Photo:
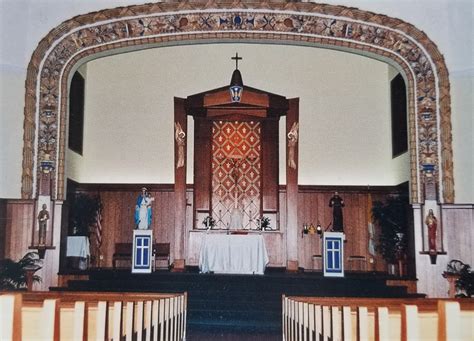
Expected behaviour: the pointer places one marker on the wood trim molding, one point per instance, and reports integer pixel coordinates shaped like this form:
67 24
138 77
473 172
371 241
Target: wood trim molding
113 187
357 189
169 187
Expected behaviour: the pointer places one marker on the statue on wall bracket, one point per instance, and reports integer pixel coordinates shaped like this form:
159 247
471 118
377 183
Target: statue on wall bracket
432 226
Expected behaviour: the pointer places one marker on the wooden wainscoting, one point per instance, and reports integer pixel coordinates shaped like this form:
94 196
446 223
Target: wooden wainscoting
118 215
313 207
3 226
19 216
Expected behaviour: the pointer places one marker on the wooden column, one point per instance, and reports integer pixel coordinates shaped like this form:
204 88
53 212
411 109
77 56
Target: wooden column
3 227
179 187
292 190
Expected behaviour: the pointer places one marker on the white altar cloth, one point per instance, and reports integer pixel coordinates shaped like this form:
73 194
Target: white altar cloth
233 254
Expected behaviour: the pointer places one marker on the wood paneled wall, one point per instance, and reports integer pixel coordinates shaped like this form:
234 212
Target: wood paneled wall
313 207
118 218
118 215
19 216
18 228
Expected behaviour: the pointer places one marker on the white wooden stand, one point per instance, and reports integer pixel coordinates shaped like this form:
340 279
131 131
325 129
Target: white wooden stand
142 251
333 254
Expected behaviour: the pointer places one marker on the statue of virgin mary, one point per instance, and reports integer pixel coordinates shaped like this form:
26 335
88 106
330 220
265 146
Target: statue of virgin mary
143 211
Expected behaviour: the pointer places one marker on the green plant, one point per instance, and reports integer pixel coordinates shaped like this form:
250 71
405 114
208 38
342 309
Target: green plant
13 274
83 213
392 217
465 282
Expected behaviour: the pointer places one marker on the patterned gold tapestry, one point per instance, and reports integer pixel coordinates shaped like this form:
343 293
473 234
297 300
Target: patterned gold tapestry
236 173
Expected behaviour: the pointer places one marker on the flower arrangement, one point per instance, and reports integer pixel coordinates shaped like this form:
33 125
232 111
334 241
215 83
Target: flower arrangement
209 222
263 223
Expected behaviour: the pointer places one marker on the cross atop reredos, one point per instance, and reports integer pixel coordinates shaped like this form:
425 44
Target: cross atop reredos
236 58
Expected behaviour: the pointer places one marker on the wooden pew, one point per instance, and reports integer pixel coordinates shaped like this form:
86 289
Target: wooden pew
95 316
314 318
123 252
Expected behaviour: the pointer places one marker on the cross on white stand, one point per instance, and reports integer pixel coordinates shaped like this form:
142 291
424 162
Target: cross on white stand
333 254
142 251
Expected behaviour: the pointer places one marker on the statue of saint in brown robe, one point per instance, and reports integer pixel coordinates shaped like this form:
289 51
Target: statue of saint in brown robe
337 204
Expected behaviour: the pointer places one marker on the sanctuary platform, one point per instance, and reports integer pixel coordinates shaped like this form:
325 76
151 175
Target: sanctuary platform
228 304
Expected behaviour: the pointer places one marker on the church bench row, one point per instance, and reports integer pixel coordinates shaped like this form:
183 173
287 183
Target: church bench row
344 318
92 316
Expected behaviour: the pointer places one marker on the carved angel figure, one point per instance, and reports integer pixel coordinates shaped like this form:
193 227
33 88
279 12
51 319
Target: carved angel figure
180 137
292 140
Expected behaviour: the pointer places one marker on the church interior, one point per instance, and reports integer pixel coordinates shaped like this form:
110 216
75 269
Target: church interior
236 170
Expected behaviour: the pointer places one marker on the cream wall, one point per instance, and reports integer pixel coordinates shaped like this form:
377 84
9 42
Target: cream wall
345 134
24 22
11 130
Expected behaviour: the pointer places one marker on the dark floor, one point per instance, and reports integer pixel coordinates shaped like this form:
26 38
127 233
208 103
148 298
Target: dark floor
199 335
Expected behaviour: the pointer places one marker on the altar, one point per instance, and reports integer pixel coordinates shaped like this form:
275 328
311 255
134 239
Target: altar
233 254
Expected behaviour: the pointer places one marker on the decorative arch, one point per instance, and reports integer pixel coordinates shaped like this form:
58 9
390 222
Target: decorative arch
134 27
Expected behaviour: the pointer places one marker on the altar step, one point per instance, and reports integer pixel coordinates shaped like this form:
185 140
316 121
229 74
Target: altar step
233 302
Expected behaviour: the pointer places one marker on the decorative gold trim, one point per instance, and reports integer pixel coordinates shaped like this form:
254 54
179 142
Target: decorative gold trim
313 24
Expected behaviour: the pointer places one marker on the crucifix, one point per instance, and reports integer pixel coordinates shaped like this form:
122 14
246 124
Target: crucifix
236 58
236 161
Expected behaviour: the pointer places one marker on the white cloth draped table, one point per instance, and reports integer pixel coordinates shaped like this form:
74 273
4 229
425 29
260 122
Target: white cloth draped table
233 254
78 246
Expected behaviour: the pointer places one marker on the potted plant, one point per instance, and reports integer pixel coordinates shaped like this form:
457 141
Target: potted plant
19 275
83 213
392 217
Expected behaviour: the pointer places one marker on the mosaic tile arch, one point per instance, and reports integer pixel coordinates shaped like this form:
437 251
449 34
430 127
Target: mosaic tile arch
289 23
